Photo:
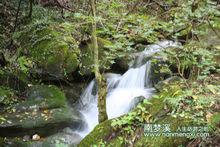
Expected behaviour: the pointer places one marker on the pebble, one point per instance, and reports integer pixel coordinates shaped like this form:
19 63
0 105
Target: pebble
26 138
35 137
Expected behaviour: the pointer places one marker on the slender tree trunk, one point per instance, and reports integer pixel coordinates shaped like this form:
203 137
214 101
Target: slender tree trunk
15 23
30 8
102 87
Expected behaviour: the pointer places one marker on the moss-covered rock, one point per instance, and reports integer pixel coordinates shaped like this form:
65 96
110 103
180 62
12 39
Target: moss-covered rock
52 48
17 81
46 96
7 97
215 119
100 133
44 112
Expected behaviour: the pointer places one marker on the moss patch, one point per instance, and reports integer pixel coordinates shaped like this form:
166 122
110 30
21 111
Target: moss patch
100 132
45 109
51 47
7 96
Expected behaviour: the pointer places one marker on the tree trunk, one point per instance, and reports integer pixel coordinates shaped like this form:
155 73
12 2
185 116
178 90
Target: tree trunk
30 8
102 86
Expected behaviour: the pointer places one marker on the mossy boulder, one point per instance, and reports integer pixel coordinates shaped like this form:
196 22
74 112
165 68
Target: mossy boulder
51 47
100 133
215 120
17 81
7 97
44 112
48 96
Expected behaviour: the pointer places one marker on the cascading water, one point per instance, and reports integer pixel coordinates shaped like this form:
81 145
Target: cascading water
122 89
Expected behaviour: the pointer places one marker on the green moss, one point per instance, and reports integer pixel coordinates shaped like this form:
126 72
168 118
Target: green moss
43 122
44 109
2 141
15 80
118 141
7 96
215 119
5 92
40 97
51 46
100 132
45 96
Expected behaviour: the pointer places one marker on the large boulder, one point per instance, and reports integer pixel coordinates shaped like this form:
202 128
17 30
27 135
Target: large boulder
51 47
44 112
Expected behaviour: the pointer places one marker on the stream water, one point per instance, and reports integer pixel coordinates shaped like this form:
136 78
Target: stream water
122 89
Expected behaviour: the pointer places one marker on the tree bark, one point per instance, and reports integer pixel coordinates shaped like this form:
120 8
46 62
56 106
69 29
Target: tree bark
15 23
30 8
102 86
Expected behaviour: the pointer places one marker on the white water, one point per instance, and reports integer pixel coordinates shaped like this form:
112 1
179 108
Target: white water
122 89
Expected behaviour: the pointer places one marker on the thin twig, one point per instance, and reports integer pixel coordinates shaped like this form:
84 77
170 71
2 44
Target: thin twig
15 23
213 29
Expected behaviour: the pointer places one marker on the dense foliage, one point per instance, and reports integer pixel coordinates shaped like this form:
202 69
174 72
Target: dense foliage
56 46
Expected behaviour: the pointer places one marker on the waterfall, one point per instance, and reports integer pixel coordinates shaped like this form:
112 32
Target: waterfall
122 89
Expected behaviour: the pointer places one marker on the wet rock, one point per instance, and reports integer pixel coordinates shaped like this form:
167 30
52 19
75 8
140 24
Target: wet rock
7 98
121 65
168 81
67 136
26 138
45 112
73 92
136 101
